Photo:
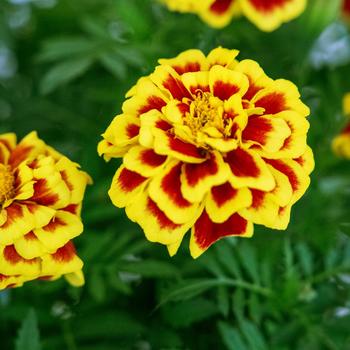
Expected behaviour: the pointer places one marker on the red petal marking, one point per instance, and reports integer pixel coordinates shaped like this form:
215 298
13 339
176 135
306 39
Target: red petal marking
184 108
346 6
206 232
273 103
189 67
163 125
258 198
53 224
219 7
185 148
65 254
14 212
346 130
195 172
72 208
42 193
171 185
224 90
30 236
252 90
19 154
11 255
286 170
151 158
268 5
65 179
257 130
163 221
153 102
196 88
223 193
129 180
242 163
132 130
176 88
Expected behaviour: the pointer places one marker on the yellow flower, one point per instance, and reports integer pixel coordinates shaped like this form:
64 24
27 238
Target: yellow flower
212 144
41 192
267 15
341 143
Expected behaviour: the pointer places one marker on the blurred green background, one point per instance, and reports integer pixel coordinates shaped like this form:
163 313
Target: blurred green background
64 69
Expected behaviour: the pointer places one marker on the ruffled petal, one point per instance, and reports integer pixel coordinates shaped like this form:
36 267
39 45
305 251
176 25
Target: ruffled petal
187 61
144 161
198 179
205 232
165 191
224 200
249 170
125 186
155 224
225 82
62 228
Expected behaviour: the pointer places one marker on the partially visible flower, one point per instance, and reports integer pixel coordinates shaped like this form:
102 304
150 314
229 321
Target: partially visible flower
341 143
41 193
267 15
346 9
212 144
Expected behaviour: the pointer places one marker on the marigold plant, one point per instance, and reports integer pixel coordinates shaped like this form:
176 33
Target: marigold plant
41 192
212 144
267 15
341 143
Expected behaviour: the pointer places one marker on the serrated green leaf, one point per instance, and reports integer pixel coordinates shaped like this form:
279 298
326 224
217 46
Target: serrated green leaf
249 260
231 337
252 335
150 268
114 64
223 300
28 337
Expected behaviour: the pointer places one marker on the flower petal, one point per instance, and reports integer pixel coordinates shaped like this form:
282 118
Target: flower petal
224 200
125 186
222 57
143 161
224 82
165 191
155 224
249 170
187 61
198 179
205 232
62 228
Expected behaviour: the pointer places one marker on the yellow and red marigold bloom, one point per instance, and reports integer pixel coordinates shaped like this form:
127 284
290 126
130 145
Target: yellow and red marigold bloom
341 143
212 144
41 193
267 15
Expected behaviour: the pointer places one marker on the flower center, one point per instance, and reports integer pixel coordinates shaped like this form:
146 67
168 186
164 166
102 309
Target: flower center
7 181
207 115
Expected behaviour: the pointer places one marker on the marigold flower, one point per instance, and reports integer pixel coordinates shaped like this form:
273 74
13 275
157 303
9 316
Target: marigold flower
41 192
341 143
267 15
212 144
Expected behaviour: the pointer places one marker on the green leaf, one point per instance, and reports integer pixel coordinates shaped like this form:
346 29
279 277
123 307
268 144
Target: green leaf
305 258
178 314
150 268
97 285
28 337
114 64
226 255
64 72
252 335
55 49
223 300
250 261
231 337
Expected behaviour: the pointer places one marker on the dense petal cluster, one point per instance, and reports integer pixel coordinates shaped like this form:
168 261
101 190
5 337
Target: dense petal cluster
212 144
41 193
341 143
267 15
